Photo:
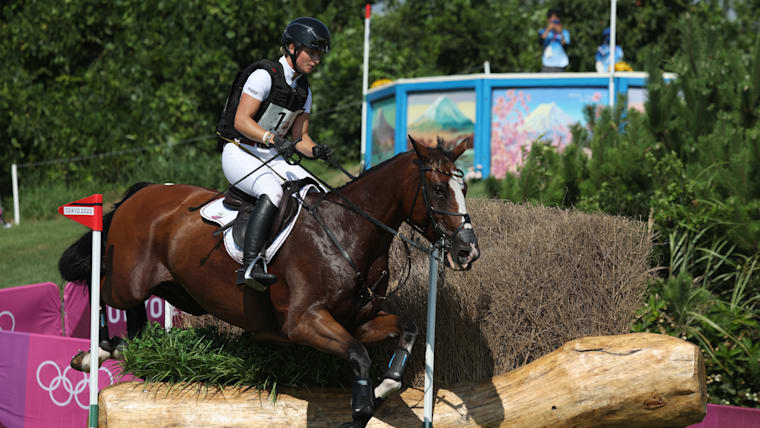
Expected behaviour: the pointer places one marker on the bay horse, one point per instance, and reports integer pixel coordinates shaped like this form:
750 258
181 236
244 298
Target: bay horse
334 258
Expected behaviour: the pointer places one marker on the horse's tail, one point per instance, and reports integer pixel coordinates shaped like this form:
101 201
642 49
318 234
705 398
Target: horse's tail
75 264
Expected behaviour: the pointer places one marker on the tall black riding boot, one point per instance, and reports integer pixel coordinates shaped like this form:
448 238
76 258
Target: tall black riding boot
256 234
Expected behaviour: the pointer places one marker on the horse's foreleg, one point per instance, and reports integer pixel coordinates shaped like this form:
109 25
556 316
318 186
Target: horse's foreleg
381 327
318 329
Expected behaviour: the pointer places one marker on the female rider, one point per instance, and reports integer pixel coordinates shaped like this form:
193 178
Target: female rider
267 101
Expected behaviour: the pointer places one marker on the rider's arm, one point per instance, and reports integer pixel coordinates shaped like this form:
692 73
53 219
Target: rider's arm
244 122
301 130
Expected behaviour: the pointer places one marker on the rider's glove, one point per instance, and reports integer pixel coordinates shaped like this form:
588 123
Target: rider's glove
321 151
284 147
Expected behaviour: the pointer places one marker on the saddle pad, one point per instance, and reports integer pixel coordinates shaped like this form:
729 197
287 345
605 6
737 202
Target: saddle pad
216 212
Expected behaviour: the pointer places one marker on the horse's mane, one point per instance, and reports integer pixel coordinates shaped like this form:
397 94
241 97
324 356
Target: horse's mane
439 147
374 169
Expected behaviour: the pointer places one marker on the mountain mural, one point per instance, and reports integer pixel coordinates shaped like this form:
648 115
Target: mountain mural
443 114
545 118
382 131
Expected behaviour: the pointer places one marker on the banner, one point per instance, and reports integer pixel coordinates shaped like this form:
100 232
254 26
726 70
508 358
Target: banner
76 303
34 308
39 389
720 416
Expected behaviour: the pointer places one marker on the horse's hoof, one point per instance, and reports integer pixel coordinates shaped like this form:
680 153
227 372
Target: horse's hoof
78 361
118 344
81 360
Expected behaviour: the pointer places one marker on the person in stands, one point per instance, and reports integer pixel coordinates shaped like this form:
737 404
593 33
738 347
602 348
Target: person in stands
266 120
603 53
554 38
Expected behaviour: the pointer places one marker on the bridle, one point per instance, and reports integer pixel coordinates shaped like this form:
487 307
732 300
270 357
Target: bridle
431 211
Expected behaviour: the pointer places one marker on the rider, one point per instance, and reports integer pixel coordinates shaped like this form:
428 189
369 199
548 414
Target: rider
267 101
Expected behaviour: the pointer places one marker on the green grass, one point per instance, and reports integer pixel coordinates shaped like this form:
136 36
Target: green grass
205 356
30 251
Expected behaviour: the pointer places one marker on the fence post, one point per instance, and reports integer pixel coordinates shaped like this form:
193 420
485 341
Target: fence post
14 182
168 315
430 340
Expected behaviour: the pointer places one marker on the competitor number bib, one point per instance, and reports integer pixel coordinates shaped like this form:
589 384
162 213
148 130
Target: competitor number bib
278 119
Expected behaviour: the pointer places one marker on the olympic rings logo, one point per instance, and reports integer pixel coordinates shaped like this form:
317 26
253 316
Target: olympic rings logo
13 319
62 380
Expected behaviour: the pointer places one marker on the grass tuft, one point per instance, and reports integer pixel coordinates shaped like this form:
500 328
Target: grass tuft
205 355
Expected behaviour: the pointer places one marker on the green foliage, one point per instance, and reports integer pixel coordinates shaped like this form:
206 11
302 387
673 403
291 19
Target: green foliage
688 165
696 302
206 356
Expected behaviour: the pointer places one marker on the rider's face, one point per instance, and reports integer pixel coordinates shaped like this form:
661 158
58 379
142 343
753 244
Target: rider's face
308 59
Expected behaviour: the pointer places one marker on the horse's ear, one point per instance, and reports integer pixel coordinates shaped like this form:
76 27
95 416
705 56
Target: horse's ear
416 147
459 147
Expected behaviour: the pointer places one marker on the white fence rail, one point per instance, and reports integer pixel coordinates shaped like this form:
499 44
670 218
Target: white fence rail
15 167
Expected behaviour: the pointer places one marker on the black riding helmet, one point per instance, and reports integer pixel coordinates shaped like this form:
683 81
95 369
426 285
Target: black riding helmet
306 32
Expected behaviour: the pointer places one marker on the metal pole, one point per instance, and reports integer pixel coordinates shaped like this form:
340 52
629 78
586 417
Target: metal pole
365 81
613 13
14 183
94 317
487 67
430 340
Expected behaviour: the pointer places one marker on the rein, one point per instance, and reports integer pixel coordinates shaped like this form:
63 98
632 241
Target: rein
444 243
197 207
367 293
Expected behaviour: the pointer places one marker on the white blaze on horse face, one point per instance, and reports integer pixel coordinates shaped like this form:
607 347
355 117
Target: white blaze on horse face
457 186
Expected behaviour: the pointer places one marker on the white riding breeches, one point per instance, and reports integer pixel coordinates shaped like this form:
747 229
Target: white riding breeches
236 164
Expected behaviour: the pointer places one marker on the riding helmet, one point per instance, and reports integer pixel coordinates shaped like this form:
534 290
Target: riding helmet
307 32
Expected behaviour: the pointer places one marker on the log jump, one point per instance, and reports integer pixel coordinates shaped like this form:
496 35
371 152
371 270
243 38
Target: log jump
638 379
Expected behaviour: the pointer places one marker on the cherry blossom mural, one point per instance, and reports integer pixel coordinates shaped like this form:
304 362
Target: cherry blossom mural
520 116
636 99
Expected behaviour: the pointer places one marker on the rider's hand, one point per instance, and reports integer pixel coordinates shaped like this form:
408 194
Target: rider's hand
284 147
321 151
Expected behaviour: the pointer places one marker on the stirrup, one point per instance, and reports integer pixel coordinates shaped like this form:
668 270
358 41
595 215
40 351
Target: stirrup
254 283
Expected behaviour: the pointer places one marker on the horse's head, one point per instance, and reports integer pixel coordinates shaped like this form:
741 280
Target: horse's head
438 209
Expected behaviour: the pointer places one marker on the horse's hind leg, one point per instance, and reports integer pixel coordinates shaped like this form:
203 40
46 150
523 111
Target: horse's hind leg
381 327
137 318
81 361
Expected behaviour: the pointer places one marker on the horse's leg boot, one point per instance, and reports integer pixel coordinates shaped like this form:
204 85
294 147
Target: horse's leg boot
394 374
253 272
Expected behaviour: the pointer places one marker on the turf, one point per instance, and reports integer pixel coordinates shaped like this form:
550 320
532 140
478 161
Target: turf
29 252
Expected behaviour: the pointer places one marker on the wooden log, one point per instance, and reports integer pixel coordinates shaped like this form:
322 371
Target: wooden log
631 380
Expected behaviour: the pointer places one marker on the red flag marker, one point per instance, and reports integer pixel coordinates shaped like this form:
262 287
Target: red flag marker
86 211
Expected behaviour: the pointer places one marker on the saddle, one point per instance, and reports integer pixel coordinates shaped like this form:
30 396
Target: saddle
237 200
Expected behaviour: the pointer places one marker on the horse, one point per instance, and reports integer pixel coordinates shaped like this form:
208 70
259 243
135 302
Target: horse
332 270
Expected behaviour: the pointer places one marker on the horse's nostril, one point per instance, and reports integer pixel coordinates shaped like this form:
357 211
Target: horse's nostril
463 255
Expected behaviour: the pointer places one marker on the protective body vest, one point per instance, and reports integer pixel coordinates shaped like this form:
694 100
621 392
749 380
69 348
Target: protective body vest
276 114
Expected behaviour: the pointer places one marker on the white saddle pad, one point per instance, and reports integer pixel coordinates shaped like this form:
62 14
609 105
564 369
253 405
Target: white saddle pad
216 212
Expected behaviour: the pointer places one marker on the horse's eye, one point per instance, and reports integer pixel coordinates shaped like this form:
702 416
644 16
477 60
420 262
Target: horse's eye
439 189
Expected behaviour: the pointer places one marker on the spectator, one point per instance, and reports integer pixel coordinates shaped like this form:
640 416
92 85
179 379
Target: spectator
554 39
603 53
